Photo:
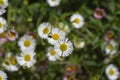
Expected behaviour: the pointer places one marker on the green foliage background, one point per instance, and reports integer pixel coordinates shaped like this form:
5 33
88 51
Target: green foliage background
26 15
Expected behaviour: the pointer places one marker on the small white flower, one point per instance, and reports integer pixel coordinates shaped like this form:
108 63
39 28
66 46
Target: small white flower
53 3
51 54
3 3
3 75
111 47
112 72
65 28
10 63
79 44
56 35
2 11
63 47
27 42
3 25
26 58
44 29
77 20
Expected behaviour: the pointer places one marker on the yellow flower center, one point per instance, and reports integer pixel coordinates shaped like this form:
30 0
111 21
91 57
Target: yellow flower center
99 12
55 36
1 77
77 20
13 61
11 34
110 46
69 68
45 31
63 47
110 35
27 43
1 25
111 72
27 57
1 1
52 52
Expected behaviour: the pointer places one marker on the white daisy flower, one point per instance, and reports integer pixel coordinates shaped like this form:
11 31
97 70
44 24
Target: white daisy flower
63 47
112 72
3 75
27 42
2 11
77 20
56 35
44 29
10 63
51 54
3 3
53 3
3 25
65 28
111 47
26 58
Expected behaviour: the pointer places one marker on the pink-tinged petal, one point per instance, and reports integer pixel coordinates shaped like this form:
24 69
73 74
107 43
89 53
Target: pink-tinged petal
3 39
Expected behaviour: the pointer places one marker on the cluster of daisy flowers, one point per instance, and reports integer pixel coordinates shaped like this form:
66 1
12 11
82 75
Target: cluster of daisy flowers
111 48
3 35
56 36
27 44
61 46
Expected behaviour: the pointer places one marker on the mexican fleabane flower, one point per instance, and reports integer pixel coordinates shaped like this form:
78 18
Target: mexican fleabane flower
63 47
27 42
10 62
26 58
12 35
3 3
3 25
3 75
56 34
44 29
70 69
77 20
99 13
109 35
111 47
53 3
51 54
112 72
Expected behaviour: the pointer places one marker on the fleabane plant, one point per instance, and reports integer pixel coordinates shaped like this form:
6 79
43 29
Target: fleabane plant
26 58
64 47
